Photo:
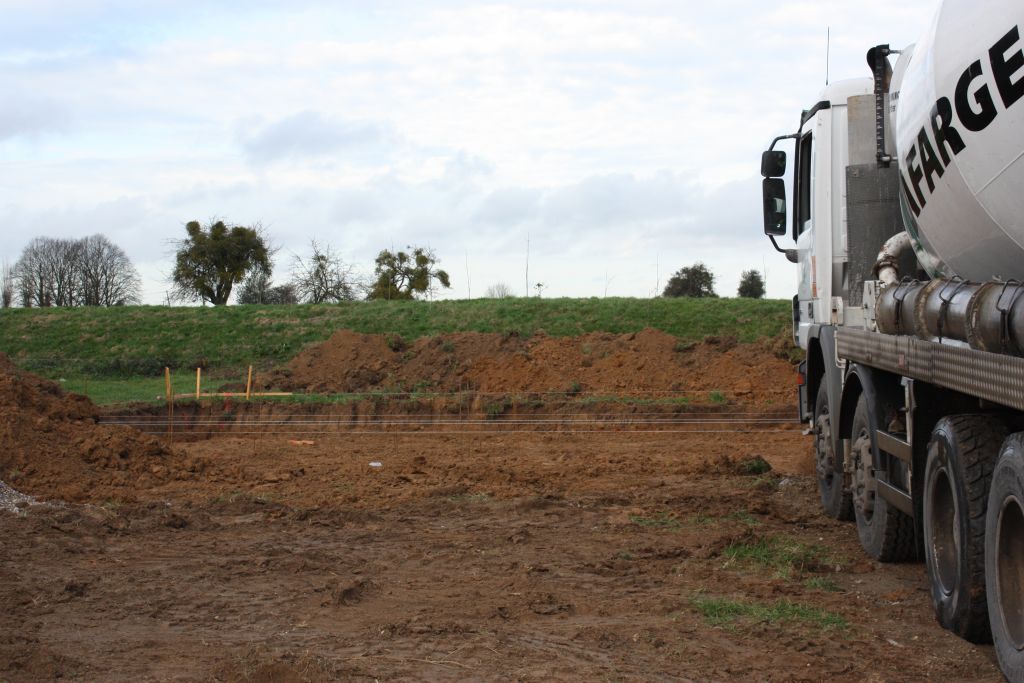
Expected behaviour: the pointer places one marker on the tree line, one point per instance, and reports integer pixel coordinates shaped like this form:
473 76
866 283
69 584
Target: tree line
698 281
212 259
91 271
215 260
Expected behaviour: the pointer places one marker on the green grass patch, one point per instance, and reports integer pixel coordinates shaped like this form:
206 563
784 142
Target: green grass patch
495 409
754 465
762 482
662 520
822 583
632 400
781 555
106 390
725 611
741 516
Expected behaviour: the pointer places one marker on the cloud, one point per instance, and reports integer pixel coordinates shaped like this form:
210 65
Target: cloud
618 199
354 206
309 134
509 206
30 116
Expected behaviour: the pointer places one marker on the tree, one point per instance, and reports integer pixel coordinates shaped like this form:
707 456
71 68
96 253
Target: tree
31 270
282 294
211 260
47 272
6 285
91 271
694 281
751 285
257 288
106 274
499 290
403 275
323 277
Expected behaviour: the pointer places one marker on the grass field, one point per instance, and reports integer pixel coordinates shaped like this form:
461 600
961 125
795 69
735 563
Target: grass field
95 350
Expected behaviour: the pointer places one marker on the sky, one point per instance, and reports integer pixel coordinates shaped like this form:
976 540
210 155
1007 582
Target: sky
592 146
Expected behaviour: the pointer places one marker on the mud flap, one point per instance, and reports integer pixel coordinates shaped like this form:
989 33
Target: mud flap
802 394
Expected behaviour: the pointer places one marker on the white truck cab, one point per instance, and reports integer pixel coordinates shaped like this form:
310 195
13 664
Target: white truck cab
907 221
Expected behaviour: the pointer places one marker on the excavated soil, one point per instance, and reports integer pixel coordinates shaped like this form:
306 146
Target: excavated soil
504 548
647 361
50 442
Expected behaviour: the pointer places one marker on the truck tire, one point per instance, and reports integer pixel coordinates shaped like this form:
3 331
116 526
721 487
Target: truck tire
1004 557
961 454
828 465
886 534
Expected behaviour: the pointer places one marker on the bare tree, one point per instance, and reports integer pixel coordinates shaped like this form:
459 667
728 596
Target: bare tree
46 272
323 277
107 276
6 285
30 274
499 290
63 259
85 272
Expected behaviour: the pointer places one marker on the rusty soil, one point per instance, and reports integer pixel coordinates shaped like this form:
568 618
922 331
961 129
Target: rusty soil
653 519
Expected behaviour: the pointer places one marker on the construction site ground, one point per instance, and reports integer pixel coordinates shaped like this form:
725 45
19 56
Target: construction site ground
446 539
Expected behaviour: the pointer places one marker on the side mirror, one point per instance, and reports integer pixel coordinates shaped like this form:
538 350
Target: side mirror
774 193
773 164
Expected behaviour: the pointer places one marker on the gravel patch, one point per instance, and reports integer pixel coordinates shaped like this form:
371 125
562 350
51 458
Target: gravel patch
14 501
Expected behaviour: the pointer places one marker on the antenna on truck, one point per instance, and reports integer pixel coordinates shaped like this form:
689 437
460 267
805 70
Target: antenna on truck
828 45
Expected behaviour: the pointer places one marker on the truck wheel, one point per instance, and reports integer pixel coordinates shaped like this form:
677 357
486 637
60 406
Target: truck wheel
961 454
835 495
1004 557
886 534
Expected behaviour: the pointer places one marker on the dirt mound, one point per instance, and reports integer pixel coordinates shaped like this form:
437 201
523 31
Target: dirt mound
38 396
597 362
51 446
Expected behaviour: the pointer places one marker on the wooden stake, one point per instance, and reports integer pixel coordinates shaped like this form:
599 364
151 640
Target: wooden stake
170 402
248 385
199 374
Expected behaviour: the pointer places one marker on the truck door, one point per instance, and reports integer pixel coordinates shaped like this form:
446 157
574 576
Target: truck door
803 184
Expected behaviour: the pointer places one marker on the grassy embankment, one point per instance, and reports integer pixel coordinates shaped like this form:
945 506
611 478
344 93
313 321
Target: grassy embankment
118 354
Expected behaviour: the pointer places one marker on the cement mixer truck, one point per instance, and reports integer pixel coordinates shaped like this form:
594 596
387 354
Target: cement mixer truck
907 221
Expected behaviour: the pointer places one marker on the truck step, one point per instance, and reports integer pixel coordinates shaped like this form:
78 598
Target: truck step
895 497
894 445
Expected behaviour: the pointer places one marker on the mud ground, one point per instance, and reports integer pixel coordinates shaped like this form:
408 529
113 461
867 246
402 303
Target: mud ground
484 557
572 535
